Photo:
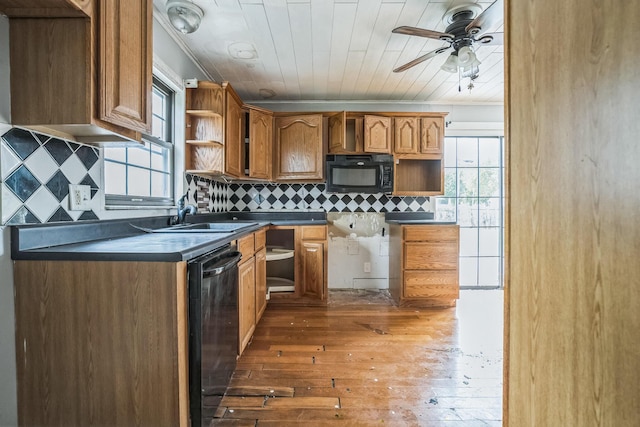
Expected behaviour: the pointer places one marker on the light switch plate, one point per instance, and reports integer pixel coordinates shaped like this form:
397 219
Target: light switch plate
79 197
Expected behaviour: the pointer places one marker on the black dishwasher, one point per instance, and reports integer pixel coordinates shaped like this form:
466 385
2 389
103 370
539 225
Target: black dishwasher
213 330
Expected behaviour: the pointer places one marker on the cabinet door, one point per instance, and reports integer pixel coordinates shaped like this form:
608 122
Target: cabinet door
406 134
337 133
298 149
125 65
246 302
261 282
432 135
312 270
260 140
377 134
234 139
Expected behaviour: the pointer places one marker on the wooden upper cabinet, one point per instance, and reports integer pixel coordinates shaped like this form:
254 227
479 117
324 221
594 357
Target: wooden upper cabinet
126 59
432 135
298 148
406 132
87 78
337 133
260 144
234 137
204 129
377 134
46 8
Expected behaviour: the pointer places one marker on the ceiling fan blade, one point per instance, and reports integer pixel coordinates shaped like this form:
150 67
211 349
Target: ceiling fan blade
421 59
421 32
491 39
490 18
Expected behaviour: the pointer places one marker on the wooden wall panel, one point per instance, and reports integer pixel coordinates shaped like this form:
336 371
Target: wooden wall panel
574 235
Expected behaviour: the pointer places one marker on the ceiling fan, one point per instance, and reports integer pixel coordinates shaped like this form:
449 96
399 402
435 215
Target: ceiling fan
466 30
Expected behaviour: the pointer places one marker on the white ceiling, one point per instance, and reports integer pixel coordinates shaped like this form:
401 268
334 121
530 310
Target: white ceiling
332 50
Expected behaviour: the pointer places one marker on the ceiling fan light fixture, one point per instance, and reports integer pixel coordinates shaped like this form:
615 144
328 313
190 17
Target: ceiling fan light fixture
451 64
466 56
184 15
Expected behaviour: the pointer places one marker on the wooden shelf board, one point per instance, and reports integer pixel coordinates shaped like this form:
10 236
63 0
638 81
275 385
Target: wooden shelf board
204 113
204 142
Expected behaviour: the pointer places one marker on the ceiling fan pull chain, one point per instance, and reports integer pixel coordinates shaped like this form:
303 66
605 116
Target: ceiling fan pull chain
459 84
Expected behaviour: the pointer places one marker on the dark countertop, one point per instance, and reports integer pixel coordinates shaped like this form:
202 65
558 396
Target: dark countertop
119 240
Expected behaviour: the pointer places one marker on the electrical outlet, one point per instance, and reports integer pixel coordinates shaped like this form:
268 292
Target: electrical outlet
79 197
367 267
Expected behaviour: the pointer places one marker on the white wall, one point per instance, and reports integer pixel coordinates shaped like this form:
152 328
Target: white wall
355 239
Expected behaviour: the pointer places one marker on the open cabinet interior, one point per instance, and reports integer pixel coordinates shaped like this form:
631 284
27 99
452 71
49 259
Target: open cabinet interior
280 262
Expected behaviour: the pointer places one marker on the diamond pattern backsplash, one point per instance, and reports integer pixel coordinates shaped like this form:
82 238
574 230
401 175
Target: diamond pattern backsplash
36 171
213 196
249 197
205 194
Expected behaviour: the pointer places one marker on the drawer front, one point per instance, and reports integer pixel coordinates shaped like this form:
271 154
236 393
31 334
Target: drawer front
246 246
431 284
261 239
314 233
431 233
417 278
429 256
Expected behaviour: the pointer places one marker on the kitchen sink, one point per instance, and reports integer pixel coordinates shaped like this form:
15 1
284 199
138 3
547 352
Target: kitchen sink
207 227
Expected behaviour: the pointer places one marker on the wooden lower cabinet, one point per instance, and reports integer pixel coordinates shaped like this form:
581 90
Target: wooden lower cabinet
252 285
247 301
261 283
423 265
309 264
312 270
101 343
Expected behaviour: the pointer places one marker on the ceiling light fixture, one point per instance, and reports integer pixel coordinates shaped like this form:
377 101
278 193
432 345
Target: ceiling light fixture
184 15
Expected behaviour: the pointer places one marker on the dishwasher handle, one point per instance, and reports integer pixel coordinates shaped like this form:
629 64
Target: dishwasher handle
225 263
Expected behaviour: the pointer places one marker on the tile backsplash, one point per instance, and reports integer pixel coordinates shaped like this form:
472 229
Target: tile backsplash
206 194
248 197
36 171
213 196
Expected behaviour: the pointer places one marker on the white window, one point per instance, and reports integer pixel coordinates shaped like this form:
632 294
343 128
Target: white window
142 174
474 198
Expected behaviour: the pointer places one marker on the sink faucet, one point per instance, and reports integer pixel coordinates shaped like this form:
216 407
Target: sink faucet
184 210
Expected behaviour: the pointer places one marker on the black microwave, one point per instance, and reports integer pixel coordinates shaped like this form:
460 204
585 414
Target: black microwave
355 173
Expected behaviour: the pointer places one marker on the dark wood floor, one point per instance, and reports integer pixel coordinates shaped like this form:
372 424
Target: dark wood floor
362 361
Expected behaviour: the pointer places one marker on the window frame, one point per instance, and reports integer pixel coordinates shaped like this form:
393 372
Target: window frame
118 201
455 198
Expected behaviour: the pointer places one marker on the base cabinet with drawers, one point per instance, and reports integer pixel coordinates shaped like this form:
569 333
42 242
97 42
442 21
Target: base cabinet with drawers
424 270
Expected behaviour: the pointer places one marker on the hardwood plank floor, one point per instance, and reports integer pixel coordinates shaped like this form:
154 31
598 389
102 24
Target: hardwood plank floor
362 362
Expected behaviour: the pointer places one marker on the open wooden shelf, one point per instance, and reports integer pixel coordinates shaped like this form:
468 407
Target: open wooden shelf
418 177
